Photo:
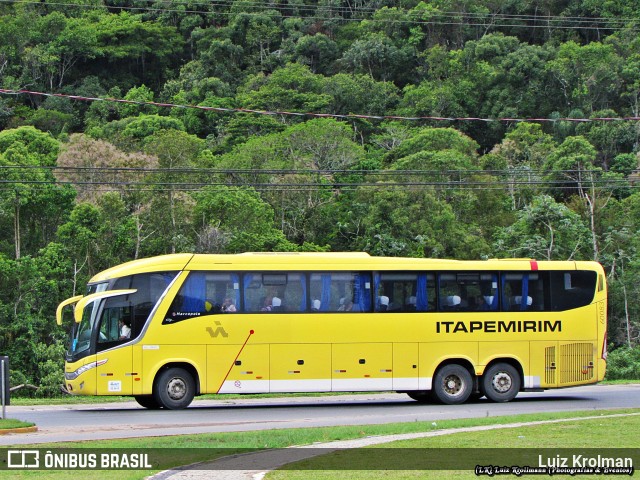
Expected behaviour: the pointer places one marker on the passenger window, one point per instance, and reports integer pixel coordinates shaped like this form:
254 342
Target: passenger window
573 289
468 292
523 291
406 292
271 292
205 293
339 292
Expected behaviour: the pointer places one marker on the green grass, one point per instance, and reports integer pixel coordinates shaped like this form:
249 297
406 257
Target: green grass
8 423
566 435
619 432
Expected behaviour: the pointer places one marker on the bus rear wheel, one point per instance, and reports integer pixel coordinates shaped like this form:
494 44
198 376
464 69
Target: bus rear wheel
420 396
147 401
452 384
501 382
175 389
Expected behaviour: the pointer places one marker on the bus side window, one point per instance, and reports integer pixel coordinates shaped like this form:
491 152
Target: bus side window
403 291
448 293
116 312
573 289
190 300
523 291
339 292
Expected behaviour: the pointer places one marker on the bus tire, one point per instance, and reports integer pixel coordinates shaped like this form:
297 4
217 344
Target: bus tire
452 384
420 396
501 382
175 389
147 401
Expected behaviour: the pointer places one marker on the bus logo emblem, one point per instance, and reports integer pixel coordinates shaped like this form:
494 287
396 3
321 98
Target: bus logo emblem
218 331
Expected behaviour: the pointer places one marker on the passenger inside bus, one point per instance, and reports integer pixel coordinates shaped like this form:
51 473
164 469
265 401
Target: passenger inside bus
452 303
267 304
276 304
228 306
410 306
384 303
315 305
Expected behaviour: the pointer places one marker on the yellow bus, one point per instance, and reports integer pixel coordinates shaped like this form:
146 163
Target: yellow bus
168 328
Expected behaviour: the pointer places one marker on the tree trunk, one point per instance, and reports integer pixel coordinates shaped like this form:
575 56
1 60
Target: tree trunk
16 226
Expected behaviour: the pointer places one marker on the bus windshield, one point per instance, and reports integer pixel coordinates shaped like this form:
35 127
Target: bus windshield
118 319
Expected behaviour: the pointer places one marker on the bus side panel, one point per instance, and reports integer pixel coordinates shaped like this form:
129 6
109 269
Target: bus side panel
544 364
154 357
115 376
433 354
518 351
249 373
300 368
405 366
137 369
361 367
220 363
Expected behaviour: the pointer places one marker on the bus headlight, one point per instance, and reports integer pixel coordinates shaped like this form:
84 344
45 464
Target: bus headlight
83 369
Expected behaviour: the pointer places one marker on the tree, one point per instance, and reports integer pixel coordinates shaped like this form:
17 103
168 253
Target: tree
62 44
574 161
393 220
609 138
291 88
146 48
95 167
433 140
360 94
586 77
378 57
317 51
300 164
258 32
129 134
544 230
26 155
177 152
523 152
236 219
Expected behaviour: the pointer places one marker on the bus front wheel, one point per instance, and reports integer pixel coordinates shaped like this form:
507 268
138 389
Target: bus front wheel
175 389
501 382
452 384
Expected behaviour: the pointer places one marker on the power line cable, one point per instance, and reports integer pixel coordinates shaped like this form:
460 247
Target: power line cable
488 19
4 91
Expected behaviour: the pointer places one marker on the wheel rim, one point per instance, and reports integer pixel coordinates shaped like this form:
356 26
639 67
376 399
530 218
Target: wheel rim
502 382
176 389
453 385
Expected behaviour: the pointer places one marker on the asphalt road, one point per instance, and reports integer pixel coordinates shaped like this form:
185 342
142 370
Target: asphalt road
123 420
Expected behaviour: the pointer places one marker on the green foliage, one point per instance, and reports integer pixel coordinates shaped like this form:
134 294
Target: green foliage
90 184
544 230
623 364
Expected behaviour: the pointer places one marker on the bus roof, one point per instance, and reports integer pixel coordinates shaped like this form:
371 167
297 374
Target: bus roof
321 261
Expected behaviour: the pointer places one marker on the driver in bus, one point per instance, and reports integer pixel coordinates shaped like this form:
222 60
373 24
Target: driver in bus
125 330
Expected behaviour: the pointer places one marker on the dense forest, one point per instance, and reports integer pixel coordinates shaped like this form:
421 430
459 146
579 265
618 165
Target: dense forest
458 129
